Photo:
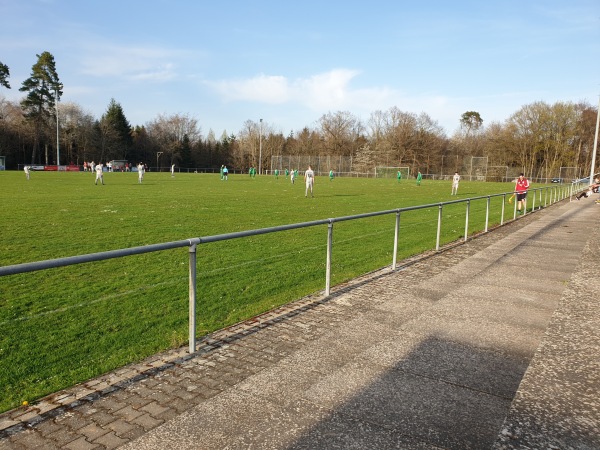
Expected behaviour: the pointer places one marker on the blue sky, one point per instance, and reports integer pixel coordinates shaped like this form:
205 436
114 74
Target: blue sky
225 62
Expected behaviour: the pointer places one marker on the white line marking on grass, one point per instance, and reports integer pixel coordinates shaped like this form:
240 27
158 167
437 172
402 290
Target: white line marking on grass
179 279
82 304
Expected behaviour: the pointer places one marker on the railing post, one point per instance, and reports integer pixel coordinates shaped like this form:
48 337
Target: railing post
328 266
467 219
571 191
487 214
396 232
439 228
502 211
546 197
192 306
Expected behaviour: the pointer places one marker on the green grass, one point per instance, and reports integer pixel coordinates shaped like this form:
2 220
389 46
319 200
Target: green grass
62 326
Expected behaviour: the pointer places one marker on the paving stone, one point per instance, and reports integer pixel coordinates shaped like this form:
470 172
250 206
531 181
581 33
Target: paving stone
46 427
147 421
62 436
125 430
92 431
30 439
154 409
128 413
7 444
109 404
102 418
110 441
72 420
7 422
137 401
81 444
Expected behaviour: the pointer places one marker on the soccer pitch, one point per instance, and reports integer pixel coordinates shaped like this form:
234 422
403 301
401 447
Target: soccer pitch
63 326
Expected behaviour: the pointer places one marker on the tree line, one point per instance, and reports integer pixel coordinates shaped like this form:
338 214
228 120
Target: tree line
538 139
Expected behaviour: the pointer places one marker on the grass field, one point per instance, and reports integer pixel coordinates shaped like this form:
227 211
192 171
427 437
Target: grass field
62 326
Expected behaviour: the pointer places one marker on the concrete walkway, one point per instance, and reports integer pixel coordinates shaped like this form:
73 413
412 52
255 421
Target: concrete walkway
490 344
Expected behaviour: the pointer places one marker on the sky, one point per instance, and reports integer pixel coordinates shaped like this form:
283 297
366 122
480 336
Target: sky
289 63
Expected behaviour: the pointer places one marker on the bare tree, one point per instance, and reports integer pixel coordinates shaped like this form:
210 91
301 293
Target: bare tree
249 142
168 134
339 131
77 131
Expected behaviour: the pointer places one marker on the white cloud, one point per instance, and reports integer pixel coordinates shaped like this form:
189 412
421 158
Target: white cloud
132 63
325 91
262 88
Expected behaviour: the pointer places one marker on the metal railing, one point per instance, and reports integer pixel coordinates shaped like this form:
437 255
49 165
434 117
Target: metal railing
546 195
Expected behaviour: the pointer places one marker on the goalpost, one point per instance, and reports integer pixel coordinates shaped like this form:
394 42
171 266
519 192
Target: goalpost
392 172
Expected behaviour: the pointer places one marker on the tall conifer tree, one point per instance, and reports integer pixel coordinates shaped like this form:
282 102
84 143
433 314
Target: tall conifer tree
43 90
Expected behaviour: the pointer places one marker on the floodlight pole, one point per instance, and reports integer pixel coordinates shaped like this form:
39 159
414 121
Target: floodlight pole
157 156
595 146
260 149
57 140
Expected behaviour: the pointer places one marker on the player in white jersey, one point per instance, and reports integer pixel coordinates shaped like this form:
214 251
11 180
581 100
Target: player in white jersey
309 178
455 180
99 174
140 169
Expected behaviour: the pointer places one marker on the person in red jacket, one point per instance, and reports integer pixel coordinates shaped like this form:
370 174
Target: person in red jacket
521 187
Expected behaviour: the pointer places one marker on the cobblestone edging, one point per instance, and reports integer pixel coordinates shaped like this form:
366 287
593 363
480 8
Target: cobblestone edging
116 408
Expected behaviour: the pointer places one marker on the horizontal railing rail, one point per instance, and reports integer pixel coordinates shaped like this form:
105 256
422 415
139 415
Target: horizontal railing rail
546 195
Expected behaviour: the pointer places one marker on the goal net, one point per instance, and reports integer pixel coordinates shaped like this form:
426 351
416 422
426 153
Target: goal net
392 172
478 169
569 174
497 173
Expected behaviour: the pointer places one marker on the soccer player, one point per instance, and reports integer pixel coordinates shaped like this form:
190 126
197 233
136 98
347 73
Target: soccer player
399 176
26 170
221 171
277 174
455 180
287 172
99 174
331 175
172 170
140 168
309 179
293 176
419 178
521 186
225 172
